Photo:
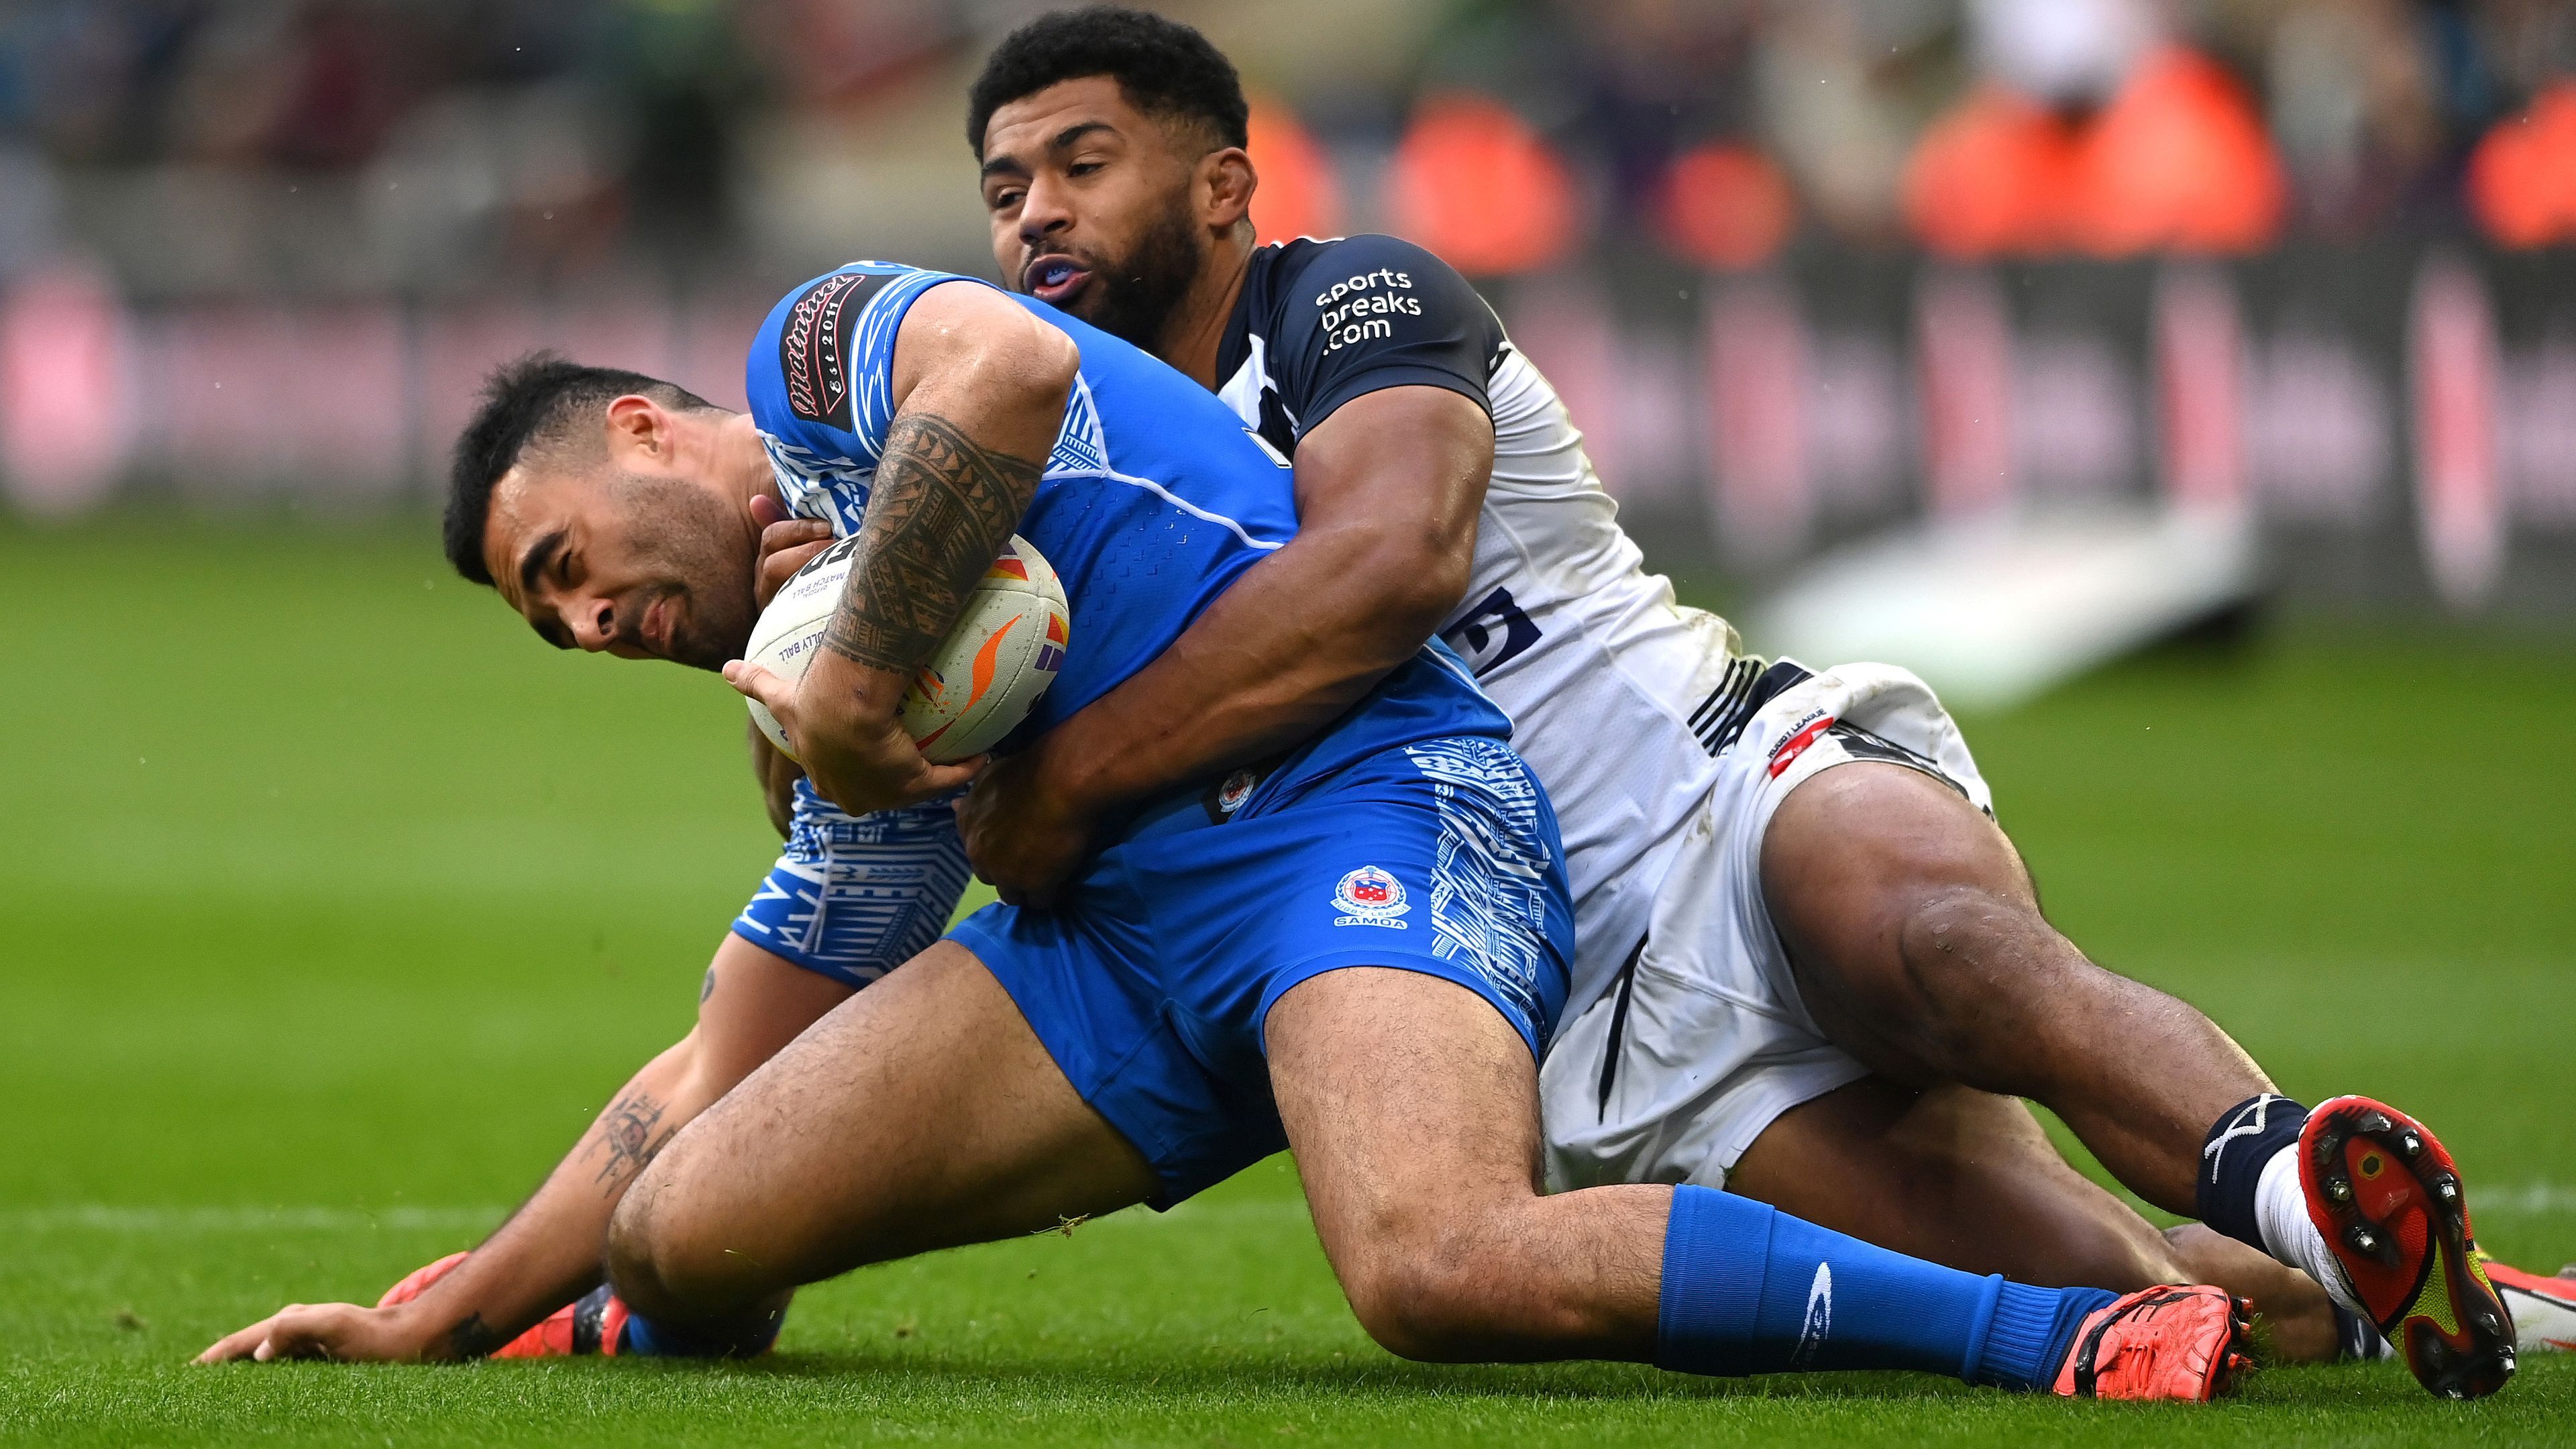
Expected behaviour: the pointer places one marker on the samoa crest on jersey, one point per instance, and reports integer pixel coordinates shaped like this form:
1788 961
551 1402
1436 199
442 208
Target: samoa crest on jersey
1370 897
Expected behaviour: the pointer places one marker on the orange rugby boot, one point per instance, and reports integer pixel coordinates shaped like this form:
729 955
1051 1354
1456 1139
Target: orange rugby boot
592 1324
2544 1309
2186 1344
2389 1203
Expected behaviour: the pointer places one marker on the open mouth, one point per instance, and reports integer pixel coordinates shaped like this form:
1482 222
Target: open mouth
1054 279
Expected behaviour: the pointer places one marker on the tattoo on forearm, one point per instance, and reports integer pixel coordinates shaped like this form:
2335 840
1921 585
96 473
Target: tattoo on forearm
941 510
631 1133
473 1338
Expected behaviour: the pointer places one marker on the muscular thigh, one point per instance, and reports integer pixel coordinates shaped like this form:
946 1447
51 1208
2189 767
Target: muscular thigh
1396 1088
1876 876
1413 1108
922 1113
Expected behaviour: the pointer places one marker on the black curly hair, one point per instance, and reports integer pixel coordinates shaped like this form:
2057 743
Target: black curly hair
1164 68
528 402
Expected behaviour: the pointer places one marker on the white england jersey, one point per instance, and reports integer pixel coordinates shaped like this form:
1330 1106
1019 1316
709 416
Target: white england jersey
1620 698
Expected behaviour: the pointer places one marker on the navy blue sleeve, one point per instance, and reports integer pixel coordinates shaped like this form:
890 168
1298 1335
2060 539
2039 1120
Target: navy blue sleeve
1372 312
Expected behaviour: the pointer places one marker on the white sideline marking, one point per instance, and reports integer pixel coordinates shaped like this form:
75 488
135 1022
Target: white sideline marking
2529 1197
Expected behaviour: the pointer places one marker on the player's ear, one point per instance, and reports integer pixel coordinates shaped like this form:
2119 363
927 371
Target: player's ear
1226 182
638 427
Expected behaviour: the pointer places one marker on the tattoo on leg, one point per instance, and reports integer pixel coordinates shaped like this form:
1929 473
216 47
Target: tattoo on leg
473 1338
708 987
628 1134
941 510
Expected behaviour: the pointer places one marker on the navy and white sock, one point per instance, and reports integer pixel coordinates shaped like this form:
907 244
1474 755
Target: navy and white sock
1748 1289
2238 1147
2249 1189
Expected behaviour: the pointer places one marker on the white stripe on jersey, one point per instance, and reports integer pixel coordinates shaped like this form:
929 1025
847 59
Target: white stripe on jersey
1168 496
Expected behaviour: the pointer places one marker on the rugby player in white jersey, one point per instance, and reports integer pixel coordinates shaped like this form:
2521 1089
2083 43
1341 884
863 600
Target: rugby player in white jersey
1410 456
1809 967
1202 995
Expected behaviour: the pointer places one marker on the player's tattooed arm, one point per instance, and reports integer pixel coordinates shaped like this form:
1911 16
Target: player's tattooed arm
630 1135
941 509
979 386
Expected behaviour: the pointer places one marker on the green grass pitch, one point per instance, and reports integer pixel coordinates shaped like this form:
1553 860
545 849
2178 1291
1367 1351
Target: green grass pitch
332 904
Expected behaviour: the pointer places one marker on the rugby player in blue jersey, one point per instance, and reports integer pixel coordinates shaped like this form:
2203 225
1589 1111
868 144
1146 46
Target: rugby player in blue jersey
1808 965
1356 946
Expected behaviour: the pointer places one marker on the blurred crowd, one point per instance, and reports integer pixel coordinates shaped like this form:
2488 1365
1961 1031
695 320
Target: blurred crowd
362 145
268 248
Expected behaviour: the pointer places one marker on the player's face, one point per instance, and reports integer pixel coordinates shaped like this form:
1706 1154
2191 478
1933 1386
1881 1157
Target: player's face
1090 202
630 564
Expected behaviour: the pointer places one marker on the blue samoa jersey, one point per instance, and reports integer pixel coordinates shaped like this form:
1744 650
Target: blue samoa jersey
1154 499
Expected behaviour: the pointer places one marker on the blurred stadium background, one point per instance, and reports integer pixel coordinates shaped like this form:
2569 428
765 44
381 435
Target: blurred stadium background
1804 271
331 904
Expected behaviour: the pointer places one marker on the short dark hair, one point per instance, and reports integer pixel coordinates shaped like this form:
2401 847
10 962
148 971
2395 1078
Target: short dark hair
531 400
1165 69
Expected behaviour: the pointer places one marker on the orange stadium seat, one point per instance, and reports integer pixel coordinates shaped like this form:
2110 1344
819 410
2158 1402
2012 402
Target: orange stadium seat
1300 195
2522 177
1992 178
1474 184
2178 160
1724 205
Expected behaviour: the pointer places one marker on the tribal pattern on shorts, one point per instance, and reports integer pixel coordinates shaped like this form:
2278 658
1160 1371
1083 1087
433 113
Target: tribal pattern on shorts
1488 893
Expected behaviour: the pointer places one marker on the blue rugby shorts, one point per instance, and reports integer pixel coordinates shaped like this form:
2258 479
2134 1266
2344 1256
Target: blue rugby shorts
1149 984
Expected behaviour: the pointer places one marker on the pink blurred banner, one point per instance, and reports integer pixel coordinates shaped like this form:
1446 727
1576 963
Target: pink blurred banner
1769 412
67 392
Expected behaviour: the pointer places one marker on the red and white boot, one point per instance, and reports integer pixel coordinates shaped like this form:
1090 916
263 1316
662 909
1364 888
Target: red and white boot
2395 1217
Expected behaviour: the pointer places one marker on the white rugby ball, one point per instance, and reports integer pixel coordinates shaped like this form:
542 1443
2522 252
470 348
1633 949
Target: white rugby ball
978 684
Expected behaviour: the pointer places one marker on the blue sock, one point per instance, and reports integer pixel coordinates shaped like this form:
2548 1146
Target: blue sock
1749 1289
742 1337
2239 1145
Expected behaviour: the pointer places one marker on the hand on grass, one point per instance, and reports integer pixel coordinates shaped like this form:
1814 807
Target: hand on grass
343 1332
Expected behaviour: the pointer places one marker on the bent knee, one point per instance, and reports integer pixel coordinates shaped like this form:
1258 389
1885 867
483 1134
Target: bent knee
1420 1309
667 1254
1460 1293
635 1247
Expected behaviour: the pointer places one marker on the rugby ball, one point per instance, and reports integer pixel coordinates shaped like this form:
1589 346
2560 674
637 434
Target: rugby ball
978 684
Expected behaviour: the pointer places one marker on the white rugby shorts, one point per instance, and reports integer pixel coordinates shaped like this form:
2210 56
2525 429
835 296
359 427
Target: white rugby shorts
1703 1043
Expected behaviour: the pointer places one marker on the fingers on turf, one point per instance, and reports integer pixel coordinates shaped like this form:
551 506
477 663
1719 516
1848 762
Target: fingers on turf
241 1343
303 1331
